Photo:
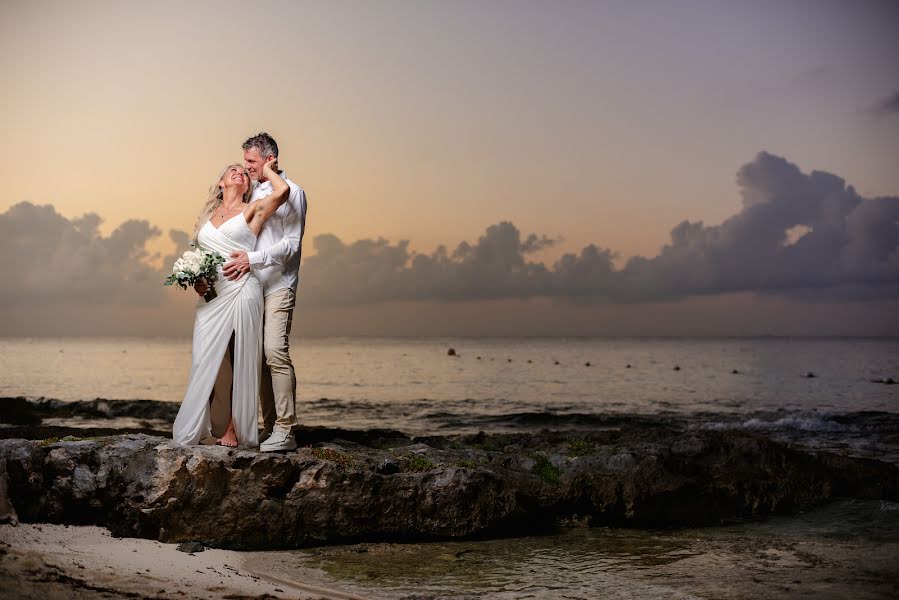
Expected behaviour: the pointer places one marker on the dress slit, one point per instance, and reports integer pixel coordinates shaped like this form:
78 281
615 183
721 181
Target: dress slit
221 398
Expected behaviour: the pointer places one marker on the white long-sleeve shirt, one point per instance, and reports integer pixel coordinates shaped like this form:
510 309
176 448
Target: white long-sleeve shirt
276 258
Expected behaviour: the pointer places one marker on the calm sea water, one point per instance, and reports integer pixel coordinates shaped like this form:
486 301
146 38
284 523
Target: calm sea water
417 386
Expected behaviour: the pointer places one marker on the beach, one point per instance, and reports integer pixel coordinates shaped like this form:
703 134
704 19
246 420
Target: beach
780 558
61 561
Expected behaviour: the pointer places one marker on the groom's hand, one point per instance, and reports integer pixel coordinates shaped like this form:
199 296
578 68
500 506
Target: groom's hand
239 265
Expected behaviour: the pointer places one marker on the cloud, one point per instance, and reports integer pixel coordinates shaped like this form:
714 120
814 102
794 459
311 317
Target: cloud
850 241
50 259
887 106
848 249
375 270
807 236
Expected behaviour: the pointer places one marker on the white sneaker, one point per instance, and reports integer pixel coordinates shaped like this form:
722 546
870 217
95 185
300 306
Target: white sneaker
279 440
266 433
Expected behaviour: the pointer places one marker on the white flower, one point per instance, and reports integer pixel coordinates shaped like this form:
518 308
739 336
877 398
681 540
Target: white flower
189 263
195 264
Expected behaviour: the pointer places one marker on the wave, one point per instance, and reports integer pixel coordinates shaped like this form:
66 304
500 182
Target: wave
800 423
805 421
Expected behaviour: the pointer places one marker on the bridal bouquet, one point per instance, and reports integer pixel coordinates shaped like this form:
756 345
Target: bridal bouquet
193 266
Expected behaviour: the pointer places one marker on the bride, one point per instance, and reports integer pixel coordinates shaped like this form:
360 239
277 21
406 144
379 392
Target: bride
228 329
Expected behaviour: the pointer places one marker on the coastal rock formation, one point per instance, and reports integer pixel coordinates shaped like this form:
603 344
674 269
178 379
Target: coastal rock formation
33 411
348 485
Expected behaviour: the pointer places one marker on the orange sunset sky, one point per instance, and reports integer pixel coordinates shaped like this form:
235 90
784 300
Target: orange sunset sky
602 125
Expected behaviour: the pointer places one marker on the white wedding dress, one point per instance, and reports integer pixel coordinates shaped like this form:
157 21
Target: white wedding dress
236 310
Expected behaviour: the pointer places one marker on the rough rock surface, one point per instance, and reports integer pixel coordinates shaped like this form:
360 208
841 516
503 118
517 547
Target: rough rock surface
380 485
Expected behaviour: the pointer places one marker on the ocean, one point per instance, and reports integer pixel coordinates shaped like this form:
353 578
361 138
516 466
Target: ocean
415 383
825 393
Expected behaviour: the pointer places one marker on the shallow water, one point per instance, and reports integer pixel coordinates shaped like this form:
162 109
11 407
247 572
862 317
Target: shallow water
846 549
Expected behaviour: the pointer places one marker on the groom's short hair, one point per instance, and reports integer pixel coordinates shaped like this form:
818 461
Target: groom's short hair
262 142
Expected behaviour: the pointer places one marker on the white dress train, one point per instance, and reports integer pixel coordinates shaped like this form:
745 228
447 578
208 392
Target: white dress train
236 310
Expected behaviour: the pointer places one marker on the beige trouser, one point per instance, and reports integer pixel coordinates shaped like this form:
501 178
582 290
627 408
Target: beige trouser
278 383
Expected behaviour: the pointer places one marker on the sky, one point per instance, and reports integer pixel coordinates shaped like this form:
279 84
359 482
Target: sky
472 168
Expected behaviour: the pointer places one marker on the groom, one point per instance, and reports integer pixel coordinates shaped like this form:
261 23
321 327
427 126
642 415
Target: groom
276 263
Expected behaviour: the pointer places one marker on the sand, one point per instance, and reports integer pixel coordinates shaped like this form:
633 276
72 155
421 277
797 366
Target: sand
60 561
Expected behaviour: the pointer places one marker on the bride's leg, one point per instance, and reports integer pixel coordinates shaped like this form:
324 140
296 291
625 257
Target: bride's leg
230 436
220 398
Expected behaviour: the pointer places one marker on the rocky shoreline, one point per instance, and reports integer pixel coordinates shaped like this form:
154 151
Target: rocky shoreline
345 486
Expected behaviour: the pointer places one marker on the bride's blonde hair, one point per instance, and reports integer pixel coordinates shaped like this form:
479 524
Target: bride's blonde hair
214 199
